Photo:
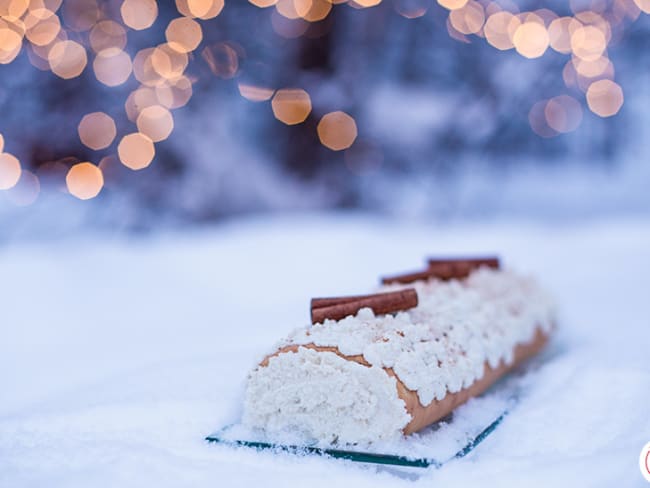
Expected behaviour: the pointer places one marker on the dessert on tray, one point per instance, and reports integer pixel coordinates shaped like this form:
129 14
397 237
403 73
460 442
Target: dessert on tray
376 367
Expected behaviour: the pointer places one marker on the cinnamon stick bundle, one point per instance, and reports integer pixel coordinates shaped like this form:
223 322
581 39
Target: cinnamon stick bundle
444 269
336 308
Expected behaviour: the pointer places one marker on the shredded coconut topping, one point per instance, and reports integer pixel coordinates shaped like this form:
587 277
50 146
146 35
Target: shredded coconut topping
439 346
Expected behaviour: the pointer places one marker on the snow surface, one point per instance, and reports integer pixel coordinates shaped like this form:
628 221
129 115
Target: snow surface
117 356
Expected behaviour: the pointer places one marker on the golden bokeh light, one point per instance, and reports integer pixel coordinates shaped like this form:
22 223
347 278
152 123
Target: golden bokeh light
97 130
168 63
10 171
365 3
263 3
255 93
143 69
644 5
563 113
314 10
468 19
155 122
291 105
2 143
138 100
13 8
26 190
500 29
453 4
112 66
595 68
84 181
42 26
175 93
107 34
67 59
531 40
11 39
560 32
136 151
52 5
588 43
288 8
605 98
337 131
80 15
139 14
222 59
202 9
183 34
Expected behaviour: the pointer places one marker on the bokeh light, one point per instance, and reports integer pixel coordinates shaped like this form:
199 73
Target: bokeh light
112 66
588 43
605 98
183 34
202 9
337 131
97 130
84 181
563 113
42 26
107 34
255 93
453 4
560 32
263 3
80 15
468 19
139 14
67 59
9 171
168 63
26 190
644 5
291 105
500 29
531 39
136 151
13 8
155 122
222 59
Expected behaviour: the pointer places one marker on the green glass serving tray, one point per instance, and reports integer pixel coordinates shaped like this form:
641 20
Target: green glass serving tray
231 436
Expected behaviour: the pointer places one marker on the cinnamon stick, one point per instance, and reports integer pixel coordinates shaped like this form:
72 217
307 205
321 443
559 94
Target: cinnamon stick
447 269
336 308
444 269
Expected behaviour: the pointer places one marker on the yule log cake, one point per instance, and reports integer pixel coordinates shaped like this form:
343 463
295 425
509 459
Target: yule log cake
376 367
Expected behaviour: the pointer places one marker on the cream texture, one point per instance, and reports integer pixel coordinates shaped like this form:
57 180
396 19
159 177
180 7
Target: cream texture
325 398
439 346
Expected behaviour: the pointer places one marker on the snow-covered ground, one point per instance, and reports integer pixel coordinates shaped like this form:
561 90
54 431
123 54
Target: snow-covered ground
117 356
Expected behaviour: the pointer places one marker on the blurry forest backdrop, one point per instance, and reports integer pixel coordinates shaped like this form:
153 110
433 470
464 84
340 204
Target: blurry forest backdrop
451 109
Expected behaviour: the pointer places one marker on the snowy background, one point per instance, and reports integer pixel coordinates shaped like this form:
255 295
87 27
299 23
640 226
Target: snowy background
118 355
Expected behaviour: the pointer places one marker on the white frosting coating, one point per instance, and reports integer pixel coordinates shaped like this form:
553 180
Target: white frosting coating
439 346
324 397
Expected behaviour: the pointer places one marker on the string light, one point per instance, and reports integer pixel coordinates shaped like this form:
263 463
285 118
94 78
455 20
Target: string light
58 36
